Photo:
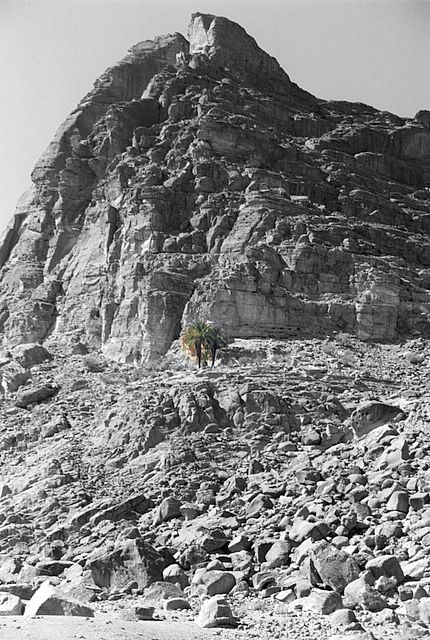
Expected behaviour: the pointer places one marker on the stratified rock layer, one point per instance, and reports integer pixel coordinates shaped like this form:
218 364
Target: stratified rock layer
196 180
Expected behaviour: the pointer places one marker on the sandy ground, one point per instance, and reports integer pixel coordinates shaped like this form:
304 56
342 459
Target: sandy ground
100 628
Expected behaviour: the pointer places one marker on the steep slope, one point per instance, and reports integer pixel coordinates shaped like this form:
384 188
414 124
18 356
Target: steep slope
197 180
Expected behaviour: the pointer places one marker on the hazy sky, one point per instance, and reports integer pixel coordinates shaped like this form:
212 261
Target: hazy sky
51 51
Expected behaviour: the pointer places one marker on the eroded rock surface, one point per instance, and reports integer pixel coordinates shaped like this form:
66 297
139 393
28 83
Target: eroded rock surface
197 180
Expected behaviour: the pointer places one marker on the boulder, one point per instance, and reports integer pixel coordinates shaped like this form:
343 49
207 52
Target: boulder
132 561
13 376
218 582
399 501
175 604
176 575
29 355
143 612
258 505
163 591
303 529
10 605
424 610
385 565
371 600
213 540
239 543
343 618
167 510
279 554
36 394
22 590
353 589
48 601
216 612
371 415
322 602
334 567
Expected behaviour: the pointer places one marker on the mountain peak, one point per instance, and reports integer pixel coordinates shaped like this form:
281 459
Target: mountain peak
227 44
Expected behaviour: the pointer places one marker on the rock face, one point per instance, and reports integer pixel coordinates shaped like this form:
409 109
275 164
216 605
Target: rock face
196 180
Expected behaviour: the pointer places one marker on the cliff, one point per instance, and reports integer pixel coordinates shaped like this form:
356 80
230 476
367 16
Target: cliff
196 179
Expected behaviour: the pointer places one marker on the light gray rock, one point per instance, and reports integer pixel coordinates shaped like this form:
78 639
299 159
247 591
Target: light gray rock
335 568
13 376
385 565
279 554
343 617
399 501
168 509
323 602
10 605
48 601
218 582
216 612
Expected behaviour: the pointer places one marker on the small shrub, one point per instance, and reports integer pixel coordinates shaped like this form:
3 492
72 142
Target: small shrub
343 338
94 365
330 348
347 359
414 358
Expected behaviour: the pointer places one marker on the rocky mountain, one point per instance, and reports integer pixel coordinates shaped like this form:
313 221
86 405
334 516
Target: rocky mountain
196 180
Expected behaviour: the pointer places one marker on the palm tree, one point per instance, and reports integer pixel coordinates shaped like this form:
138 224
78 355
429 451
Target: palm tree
217 341
200 339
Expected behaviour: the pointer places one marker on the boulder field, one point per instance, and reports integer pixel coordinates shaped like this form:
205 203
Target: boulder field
286 489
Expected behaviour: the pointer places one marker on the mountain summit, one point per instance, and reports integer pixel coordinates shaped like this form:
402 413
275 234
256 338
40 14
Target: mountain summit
196 180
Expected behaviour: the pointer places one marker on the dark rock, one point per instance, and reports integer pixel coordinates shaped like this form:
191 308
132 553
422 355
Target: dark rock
35 395
133 560
334 567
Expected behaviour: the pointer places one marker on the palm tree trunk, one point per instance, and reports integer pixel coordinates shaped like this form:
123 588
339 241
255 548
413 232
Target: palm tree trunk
214 350
199 354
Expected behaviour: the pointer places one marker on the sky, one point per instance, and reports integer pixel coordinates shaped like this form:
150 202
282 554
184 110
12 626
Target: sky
51 52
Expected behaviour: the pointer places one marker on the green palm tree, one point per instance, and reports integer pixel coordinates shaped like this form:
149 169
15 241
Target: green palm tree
201 339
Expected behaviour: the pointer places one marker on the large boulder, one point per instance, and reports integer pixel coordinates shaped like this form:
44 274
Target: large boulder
131 561
49 601
371 415
335 568
387 566
29 355
322 602
37 394
217 582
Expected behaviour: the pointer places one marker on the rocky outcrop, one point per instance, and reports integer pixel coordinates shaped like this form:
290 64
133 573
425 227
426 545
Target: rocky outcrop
197 180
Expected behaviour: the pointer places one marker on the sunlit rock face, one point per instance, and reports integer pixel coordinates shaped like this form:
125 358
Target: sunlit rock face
196 180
